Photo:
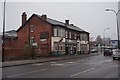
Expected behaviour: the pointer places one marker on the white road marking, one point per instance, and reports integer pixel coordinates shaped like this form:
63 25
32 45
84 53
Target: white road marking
26 73
57 64
70 62
66 65
81 60
107 64
108 60
88 70
52 62
98 63
82 72
38 64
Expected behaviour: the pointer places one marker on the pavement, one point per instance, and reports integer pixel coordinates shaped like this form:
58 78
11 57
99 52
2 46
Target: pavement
41 60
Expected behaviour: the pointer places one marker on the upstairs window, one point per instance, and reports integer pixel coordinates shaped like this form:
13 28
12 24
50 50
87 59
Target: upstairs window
31 28
75 36
59 32
44 35
66 34
55 31
83 36
70 35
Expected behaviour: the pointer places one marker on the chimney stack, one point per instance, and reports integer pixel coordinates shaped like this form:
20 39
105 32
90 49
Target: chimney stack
67 22
44 16
24 17
72 24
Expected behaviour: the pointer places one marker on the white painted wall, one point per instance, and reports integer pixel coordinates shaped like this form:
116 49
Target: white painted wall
83 42
55 39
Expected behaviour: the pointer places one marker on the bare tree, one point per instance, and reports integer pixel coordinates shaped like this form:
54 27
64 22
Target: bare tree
99 40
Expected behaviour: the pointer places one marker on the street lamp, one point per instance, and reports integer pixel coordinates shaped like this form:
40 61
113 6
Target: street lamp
104 35
3 37
116 13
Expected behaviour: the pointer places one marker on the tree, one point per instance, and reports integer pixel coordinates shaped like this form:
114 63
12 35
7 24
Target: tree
107 41
99 40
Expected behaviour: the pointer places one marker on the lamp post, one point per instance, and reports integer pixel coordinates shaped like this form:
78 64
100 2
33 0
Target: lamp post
3 37
104 35
116 13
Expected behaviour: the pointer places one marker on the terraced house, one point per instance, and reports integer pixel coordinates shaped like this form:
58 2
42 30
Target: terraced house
52 36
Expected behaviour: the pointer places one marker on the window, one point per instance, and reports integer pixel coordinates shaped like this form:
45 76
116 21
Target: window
59 47
55 46
70 35
44 35
32 40
59 32
83 36
62 47
75 35
63 32
55 31
80 36
66 34
31 28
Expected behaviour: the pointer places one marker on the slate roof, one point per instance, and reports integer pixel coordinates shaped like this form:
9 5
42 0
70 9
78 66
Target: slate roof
52 21
56 22
75 28
10 34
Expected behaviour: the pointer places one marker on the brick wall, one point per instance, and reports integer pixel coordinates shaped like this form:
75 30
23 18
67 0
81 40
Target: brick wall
39 26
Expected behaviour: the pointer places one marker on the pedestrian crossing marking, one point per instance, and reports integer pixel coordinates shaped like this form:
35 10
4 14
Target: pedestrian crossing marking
57 64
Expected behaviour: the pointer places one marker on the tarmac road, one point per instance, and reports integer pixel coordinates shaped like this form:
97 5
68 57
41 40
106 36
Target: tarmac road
98 66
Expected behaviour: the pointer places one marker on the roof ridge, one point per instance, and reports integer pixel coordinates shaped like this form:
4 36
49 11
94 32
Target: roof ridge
57 22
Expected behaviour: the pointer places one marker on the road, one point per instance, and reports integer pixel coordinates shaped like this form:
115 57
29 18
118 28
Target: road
98 66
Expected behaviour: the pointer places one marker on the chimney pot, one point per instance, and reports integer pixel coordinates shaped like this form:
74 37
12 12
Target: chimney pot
72 24
67 22
44 16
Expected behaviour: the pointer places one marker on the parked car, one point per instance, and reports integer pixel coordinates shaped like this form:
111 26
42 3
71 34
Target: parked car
116 54
94 51
108 52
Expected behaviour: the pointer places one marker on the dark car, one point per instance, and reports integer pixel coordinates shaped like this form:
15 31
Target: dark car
108 52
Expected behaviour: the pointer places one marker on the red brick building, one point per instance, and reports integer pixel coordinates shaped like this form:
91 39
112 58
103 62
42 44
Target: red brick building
52 36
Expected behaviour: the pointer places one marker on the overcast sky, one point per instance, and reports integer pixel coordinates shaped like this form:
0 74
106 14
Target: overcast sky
90 16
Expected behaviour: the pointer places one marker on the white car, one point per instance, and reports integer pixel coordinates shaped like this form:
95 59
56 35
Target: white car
116 54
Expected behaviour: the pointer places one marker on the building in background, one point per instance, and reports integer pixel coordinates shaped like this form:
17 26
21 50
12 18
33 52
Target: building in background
53 37
114 43
10 43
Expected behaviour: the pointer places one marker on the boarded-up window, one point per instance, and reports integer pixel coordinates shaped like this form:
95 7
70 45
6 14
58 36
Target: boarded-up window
44 35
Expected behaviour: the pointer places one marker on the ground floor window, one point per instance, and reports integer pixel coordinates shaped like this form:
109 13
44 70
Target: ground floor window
59 46
83 47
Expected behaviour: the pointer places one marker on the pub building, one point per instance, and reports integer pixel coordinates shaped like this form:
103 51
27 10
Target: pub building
52 36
